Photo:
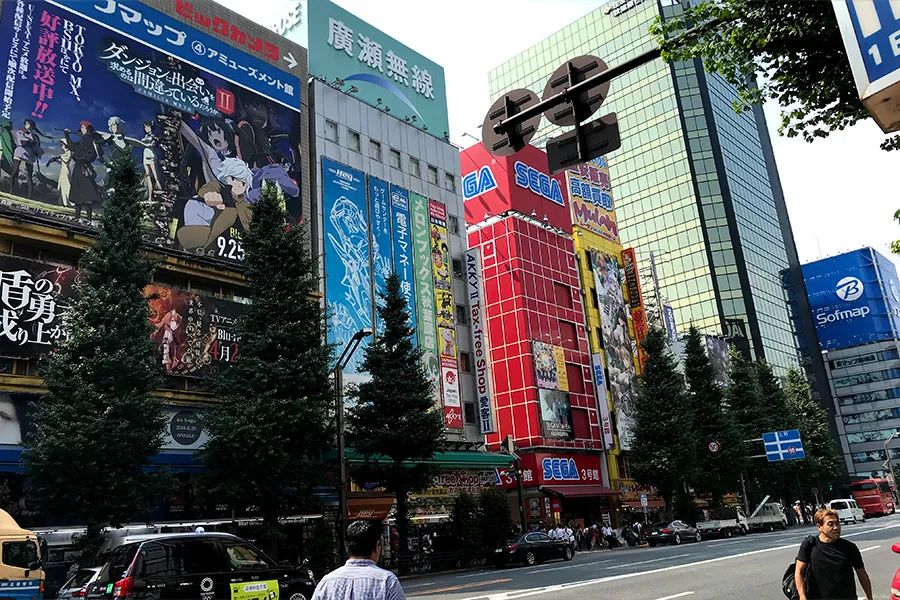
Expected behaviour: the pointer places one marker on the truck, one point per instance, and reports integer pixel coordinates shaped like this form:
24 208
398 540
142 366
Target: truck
768 516
726 522
21 566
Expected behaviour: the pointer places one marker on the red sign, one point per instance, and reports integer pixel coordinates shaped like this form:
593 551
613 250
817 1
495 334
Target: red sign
556 469
225 30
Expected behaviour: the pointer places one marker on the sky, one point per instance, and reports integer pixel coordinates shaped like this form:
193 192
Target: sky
840 191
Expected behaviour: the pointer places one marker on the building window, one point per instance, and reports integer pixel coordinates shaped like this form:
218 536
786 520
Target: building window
355 143
375 150
470 413
465 362
563 294
450 181
432 174
568 338
453 223
331 131
415 168
395 159
457 268
462 315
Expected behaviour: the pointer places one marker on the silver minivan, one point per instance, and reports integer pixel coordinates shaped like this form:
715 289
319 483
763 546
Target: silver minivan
848 511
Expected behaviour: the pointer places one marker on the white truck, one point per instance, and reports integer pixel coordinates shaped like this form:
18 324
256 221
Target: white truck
768 516
726 522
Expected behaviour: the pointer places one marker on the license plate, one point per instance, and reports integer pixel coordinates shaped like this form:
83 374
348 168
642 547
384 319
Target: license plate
498 550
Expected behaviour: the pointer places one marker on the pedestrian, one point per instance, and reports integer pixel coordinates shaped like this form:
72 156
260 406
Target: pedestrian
360 577
831 561
569 535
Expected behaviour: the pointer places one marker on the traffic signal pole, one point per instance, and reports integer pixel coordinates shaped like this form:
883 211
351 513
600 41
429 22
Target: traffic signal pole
521 492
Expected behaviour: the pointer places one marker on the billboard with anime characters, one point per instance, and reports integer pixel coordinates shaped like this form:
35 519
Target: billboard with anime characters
206 123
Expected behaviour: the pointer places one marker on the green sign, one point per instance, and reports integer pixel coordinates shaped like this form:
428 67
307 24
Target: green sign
422 262
385 72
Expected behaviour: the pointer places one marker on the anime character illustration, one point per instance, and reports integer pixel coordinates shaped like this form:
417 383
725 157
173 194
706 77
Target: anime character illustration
6 146
115 139
63 183
169 336
214 141
218 205
150 142
84 192
352 245
439 252
449 339
259 140
28 151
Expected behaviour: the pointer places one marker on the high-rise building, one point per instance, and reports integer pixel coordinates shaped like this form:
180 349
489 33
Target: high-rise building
696 183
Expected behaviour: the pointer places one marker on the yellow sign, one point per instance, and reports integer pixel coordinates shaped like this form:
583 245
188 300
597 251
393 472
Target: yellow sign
255 590
590 196
562 377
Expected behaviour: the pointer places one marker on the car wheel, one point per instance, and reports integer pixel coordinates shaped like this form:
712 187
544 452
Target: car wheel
568 554
728 533
530 559
652 544
677 539
297 596
697 537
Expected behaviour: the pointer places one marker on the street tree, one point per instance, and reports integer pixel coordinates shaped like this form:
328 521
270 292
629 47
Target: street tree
715 473
788 51
496 522
394 423
99 423
465 523
663 450
270 425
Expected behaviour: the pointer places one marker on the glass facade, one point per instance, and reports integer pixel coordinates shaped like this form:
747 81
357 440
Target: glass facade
692 181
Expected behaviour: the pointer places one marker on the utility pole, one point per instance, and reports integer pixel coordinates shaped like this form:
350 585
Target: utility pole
516 467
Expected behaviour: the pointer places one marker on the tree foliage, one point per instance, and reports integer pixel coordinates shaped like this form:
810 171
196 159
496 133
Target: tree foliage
792 48
496 522
99 423
270 425
465 522
395 423
823 462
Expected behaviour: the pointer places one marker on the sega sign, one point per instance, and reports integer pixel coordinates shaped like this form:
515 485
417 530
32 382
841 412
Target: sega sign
559 469
478 182
847 298
540 183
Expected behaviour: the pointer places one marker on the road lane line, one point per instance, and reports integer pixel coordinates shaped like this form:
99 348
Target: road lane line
575 566
870 548
556 588
644 562
454 588
673 596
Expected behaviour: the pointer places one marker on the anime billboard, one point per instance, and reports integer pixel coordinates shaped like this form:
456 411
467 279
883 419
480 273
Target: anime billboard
205 123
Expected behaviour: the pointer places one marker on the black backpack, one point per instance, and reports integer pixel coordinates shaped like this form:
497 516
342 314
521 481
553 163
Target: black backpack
788 585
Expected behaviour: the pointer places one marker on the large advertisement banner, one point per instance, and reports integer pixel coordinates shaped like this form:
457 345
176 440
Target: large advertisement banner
480 349
446 314
206 124
590 196
403 250
616 340
602 400
426 330
635 301
549 366
380 231
556 414
348 287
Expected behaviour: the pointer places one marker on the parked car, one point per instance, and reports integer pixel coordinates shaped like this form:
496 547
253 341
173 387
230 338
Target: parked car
76 586
848 510
672 532
532 548
196 565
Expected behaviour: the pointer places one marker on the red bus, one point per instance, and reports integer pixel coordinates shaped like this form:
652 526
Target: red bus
874 496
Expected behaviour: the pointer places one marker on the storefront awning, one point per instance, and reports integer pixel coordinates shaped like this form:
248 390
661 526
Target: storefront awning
451 459
651 503
578 491
369 507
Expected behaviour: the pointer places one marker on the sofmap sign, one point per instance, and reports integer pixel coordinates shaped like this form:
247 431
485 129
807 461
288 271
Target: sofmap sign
852 300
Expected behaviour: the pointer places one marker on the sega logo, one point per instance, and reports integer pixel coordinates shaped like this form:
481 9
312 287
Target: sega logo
478 182
539 183
560 469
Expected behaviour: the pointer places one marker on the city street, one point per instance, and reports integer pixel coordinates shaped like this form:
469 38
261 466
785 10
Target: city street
747 568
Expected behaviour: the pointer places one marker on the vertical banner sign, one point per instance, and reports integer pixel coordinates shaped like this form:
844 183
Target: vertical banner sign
403 258
614 326
562 377
635 301
426 330
348 283
590 196
671 324
602 400
479 342
446 316
380 243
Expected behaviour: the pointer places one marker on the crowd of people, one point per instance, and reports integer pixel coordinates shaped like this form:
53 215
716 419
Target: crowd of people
596 536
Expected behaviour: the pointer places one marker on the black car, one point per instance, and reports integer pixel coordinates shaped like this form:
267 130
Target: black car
672 532
532 548
196 566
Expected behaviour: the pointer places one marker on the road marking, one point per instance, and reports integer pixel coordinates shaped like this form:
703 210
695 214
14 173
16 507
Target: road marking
454 588
545 569
870 548
672 597
717 541
556 588
644 562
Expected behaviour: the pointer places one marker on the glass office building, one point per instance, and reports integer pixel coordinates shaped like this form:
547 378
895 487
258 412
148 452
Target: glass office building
696 183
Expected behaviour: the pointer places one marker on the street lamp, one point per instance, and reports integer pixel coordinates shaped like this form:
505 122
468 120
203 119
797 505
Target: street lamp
889 462
352 344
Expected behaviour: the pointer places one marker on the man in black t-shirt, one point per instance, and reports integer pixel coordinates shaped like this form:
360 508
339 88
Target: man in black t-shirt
829 562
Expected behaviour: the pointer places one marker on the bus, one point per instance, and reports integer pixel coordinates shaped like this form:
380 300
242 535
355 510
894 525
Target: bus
874 496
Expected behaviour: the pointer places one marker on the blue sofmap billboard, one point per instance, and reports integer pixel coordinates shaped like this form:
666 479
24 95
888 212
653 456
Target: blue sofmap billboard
348 282
854 298
380 222
403 257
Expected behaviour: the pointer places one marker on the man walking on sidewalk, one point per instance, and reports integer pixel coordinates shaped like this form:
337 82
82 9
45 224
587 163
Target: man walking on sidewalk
360 577
825 563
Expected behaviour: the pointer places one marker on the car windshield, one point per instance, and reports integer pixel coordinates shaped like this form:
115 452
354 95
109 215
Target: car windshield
862 487
659 525
81 578
838 505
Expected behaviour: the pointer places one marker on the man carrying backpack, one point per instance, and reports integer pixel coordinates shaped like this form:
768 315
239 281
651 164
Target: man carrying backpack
825 563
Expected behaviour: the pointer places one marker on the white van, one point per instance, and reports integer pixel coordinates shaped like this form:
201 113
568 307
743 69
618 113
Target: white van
848 511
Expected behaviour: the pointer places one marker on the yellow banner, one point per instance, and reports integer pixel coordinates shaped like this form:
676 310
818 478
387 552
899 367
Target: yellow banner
255 590
562 377
590 195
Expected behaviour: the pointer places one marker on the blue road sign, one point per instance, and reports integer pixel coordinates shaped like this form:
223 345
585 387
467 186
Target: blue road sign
783 445
876 24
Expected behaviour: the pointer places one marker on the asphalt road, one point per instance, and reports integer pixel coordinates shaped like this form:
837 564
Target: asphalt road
745 568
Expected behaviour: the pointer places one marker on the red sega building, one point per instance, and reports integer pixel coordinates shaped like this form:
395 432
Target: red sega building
541 376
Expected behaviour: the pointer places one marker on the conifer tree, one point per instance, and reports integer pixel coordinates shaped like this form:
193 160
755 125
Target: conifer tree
99 423
823 462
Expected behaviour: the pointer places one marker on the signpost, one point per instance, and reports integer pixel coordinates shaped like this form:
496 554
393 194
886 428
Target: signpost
783 445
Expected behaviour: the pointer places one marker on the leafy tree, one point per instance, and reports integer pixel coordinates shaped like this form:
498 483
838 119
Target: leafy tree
395 424
99 423
465 521
496 521
792 47
743 396
270 425
715 474
663 452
